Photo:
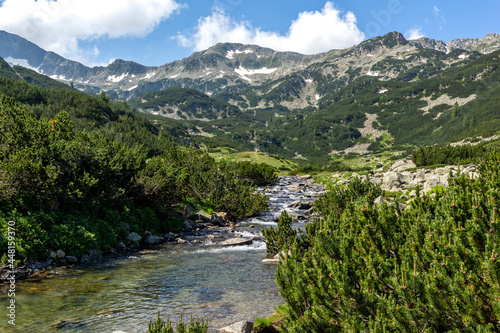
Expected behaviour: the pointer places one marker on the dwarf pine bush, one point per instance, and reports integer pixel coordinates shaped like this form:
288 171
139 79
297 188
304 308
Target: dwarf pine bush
432 267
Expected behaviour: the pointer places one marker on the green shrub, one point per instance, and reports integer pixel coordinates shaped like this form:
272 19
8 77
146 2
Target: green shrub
432 267
283 236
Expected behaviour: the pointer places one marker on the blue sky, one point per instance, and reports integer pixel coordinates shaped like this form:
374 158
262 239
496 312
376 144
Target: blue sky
155 32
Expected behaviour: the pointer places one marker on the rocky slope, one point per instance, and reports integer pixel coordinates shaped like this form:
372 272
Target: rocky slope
228 66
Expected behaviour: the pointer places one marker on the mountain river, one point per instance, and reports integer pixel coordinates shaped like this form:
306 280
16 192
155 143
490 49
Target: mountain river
200 279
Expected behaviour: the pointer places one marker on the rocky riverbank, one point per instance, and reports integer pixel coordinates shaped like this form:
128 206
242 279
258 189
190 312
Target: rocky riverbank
201 228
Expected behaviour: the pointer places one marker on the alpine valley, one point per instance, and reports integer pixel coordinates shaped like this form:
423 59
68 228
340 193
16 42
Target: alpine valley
385 93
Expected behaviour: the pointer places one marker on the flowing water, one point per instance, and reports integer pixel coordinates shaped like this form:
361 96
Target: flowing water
221 284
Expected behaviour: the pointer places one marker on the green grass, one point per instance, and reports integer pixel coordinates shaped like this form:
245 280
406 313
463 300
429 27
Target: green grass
256 157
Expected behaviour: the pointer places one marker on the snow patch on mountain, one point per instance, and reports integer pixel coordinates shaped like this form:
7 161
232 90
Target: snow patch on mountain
243 72
115 78
230 54
149 75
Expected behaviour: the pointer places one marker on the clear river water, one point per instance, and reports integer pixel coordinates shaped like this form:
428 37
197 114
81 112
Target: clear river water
221 284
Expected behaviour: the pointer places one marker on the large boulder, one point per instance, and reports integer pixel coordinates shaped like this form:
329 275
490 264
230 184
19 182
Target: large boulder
202 217
239 327
391 180
402 165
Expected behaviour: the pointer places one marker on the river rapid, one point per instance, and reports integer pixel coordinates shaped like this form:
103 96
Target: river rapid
200 279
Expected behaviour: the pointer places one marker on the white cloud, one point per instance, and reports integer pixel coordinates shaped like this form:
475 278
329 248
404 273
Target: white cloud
59 25
414 33
436 10
311 32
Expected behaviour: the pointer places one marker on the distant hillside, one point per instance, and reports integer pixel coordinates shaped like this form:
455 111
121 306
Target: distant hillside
181 103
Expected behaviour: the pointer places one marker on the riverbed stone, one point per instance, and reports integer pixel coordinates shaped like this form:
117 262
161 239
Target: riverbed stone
134 237
71 260
170 236
236 241
270 261
223 216
239 327
60 254
121 247
92 256
152 240
188 225
300 205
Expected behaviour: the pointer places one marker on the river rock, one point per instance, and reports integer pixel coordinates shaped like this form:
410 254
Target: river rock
239 327
60 254
71 260
223 216
188 225
300 205
152 240
202 216
134 237
236 241
296 216
120 247
170 236
271 260
52 254
67 323
91 257
181 241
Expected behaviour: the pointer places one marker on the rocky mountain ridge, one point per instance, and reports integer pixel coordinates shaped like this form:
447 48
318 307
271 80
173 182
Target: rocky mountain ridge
226 67
381 94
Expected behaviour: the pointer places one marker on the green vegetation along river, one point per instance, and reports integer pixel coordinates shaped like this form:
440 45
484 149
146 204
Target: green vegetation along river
221 284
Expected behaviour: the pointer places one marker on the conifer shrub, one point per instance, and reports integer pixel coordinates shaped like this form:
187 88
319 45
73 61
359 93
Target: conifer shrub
432 155
283 236
432 267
